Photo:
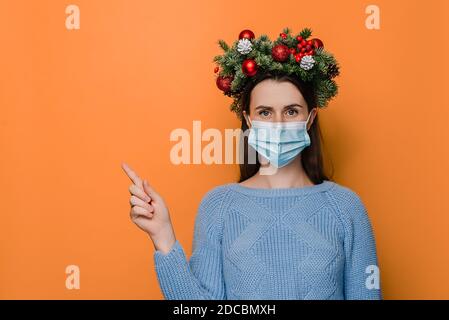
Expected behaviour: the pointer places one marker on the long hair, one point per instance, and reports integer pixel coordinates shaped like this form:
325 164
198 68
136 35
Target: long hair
311 156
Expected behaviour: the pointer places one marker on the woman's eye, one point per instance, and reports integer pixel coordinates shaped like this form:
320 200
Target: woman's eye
292 112
264 113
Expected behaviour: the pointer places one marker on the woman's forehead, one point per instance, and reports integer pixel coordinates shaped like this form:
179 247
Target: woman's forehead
276 94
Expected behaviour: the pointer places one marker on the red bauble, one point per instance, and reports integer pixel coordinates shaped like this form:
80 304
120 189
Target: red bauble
224 83
280 52
249 67
317 43
283 35
292 50
311 52
248 34
216 69
298 57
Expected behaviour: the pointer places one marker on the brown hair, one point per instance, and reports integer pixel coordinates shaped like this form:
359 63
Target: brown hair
311 156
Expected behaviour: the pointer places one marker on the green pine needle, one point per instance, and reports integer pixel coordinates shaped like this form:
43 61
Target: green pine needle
305 33
223 45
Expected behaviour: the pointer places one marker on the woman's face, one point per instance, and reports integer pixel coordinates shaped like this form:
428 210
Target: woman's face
277 101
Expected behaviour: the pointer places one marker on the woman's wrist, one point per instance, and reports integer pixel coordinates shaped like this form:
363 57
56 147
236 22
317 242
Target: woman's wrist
164 241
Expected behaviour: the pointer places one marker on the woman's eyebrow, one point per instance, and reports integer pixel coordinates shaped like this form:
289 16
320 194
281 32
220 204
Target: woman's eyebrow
263 107
287 106
293 105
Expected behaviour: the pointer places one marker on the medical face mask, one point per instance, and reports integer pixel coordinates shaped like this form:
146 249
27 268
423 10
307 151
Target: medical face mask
279 142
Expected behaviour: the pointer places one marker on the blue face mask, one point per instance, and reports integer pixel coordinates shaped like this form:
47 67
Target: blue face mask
279 142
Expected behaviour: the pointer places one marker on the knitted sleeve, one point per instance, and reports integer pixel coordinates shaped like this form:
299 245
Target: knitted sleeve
361 275
202 276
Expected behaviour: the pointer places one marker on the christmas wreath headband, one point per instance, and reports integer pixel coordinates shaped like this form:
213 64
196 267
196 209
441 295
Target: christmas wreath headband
289 54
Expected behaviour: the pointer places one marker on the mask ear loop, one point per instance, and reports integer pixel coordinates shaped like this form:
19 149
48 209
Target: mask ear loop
250 122
307 121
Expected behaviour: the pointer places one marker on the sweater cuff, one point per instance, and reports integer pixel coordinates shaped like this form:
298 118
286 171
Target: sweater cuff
171 258
172 271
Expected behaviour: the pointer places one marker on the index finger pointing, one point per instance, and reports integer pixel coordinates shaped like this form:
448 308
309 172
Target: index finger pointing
131 174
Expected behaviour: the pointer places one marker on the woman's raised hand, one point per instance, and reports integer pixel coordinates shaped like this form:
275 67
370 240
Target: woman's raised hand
149 212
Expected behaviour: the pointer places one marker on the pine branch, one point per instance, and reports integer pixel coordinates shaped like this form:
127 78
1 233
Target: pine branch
264 37
305 33
218 59
223 45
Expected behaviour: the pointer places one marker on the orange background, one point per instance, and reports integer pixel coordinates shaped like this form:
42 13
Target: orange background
74 104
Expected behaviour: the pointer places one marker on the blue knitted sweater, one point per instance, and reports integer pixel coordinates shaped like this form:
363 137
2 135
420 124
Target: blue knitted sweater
312 242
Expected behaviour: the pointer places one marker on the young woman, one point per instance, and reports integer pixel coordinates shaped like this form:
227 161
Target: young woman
285 230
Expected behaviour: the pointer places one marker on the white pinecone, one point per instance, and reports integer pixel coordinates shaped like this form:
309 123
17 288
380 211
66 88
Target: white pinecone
244 46
307 62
